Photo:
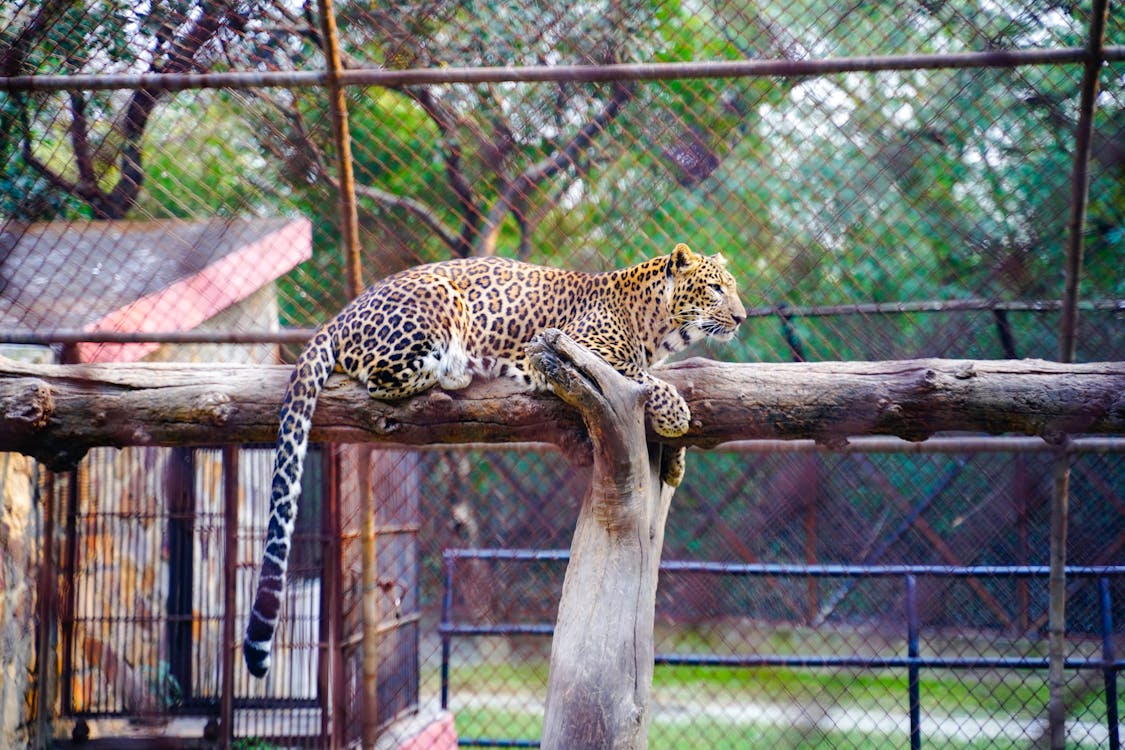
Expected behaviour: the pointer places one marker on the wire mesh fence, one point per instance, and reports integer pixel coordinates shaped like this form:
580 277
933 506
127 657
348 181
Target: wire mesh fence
887 181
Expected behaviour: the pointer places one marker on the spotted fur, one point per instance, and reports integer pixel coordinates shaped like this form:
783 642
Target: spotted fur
443 323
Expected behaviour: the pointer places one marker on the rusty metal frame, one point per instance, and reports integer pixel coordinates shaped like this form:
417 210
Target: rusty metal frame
1094 60
302 335
230 587
561 73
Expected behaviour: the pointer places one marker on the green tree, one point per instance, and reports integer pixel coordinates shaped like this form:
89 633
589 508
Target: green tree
87 148
470 169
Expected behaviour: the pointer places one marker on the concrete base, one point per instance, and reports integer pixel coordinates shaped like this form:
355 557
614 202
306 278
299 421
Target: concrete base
427 730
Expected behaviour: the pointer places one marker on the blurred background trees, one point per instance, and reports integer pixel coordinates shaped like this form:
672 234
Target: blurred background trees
913 185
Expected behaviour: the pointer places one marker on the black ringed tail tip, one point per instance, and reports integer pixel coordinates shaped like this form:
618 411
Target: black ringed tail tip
257 659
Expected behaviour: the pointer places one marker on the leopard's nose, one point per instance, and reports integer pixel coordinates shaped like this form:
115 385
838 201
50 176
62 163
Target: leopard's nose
738 318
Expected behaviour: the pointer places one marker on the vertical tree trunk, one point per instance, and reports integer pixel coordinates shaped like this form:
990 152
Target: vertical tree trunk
602 653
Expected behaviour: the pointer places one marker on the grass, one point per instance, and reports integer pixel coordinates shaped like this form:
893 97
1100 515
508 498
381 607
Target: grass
681 735
946 691
731 707
690 703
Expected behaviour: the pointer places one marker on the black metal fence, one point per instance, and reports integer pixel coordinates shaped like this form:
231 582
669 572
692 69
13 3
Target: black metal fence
887 180
783 607
908 652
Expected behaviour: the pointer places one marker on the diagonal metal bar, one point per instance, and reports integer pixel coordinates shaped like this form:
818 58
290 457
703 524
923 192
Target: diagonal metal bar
909 520
938 543
1080 180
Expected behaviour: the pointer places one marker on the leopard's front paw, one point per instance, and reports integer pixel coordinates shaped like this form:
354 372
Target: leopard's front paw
667 411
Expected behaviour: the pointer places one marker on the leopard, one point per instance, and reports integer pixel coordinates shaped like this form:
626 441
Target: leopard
444 323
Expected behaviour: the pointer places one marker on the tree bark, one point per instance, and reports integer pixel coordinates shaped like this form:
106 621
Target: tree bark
602 651
55 413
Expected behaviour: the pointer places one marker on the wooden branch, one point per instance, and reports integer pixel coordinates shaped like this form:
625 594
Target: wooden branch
911 399
565 157
80 143
57 412
601 669
454 172
416 208
183 53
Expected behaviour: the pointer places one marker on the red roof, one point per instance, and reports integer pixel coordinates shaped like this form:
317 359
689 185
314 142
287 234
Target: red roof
146 276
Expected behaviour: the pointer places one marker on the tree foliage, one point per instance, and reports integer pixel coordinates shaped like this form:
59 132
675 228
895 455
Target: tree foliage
911 185
101 165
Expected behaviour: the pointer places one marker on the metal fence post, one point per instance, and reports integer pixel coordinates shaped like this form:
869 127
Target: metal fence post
446 621
913 670
332 661
1110 669
1080 187
349 224
230 584
1056 604
47 619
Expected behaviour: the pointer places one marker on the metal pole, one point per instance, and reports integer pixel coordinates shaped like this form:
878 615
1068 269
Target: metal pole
332 662
301 335
758 68
1109 671
369 603
349 220
1080 182
334 577
913 671
74 495
349 227
1056 606
230 593
46 621
1080 186
446 622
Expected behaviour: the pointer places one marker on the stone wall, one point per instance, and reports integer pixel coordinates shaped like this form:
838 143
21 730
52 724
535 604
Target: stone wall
21 532
19 559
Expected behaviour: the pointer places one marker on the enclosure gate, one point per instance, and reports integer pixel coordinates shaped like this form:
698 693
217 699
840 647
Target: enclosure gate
154 581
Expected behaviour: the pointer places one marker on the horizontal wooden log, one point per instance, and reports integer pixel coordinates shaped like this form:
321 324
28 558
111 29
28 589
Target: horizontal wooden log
910 399
57 412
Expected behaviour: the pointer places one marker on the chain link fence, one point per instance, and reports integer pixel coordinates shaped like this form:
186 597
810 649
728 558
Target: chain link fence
887 180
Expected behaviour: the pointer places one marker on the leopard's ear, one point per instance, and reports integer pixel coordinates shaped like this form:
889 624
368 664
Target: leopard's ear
683 259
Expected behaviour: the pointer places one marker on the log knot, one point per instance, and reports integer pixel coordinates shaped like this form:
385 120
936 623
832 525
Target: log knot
889 408
33 407
384 425
217 408
435 400
965 371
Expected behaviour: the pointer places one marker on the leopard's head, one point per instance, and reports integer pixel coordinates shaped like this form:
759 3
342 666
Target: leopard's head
704 296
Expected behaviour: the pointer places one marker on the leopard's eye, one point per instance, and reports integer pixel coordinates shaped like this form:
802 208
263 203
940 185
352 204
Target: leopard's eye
717 288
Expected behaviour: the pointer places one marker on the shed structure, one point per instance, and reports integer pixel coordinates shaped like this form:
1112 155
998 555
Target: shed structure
141 571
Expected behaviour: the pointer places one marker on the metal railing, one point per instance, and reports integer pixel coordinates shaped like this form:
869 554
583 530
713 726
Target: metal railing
1110 664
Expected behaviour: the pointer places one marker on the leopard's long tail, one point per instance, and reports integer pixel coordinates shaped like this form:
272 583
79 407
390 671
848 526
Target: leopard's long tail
313 368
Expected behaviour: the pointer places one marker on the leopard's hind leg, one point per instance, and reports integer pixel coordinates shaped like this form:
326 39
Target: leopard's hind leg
407 338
